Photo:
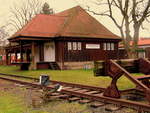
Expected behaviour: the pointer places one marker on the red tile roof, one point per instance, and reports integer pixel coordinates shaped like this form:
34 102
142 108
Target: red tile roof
144 41
74 22
42 26
141 42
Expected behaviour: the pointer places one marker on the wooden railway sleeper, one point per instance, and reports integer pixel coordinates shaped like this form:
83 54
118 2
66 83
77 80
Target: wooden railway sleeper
100 98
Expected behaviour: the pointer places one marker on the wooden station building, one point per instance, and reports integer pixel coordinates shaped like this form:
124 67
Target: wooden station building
61 40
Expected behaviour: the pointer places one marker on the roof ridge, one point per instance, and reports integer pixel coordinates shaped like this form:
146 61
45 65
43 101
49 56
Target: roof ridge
72 13
51 15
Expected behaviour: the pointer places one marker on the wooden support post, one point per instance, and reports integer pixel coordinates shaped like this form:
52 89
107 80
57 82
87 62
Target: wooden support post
6 58
62 57
33 62
10 58
21 52
8 54
117 50
41 51
16 57
27 56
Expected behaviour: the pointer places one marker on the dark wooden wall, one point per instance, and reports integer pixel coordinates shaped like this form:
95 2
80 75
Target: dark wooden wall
122 54
59 51
62 52
147 52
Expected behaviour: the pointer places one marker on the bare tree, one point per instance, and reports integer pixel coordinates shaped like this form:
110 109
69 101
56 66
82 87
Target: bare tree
3 36
24 12
132 15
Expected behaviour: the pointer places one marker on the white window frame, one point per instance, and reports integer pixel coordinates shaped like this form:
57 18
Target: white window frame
74 45
112 46
108 46
79 46
105 46
69 44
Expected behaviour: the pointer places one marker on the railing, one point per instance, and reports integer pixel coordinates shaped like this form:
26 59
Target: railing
115 71
131 65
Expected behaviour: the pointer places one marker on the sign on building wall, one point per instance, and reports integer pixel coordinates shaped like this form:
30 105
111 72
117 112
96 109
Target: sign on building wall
92 46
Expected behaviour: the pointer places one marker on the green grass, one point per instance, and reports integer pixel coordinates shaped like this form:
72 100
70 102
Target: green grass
9 103
74 76
63 107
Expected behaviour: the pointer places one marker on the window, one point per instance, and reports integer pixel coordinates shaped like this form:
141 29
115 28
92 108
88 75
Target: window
109 46
105 46
69 46
74 45
79 45
92 46
112 46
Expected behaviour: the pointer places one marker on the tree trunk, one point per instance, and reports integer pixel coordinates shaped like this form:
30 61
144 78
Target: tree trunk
131 48
134 46
131 54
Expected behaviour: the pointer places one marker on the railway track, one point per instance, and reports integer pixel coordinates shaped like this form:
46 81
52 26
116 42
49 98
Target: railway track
54 82
61 83
77 92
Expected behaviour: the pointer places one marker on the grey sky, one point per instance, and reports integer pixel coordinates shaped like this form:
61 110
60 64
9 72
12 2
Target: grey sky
60 5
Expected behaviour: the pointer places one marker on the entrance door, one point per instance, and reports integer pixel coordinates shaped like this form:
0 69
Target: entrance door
49 52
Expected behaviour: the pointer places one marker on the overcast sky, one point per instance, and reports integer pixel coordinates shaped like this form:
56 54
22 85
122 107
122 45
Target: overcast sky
60 5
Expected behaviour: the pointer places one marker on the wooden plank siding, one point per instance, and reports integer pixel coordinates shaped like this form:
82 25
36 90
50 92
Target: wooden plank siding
65 55
62 54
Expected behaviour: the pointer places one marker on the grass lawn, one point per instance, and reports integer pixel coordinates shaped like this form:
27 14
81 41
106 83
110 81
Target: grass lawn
74 76
9 103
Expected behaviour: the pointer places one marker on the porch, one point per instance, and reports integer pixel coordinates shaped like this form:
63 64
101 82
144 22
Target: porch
31 55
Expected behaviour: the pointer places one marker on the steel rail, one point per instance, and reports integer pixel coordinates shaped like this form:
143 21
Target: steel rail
100 98
59 82
19 76
119 102
66 83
